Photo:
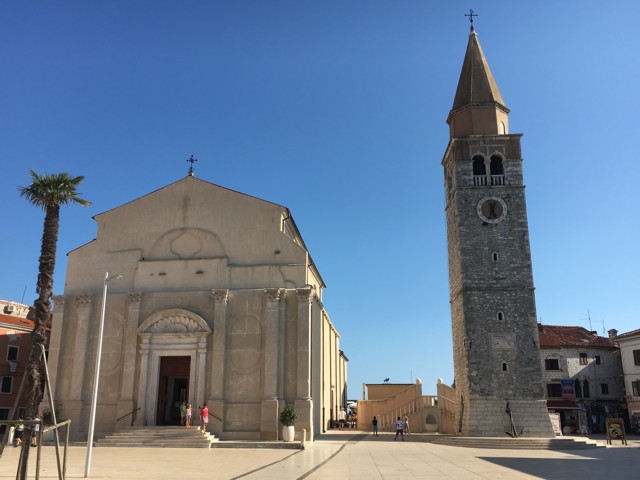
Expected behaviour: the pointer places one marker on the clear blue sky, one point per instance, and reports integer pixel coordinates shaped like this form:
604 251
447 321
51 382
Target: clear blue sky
336 109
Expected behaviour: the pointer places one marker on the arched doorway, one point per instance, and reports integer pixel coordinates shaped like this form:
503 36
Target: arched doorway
173 363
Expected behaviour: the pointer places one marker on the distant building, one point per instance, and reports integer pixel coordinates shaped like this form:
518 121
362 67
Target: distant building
629 344
15 348
582 373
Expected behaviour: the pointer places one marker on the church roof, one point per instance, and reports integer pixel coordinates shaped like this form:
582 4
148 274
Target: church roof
561 336
476 84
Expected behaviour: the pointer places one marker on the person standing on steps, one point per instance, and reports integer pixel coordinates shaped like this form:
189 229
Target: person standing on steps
399 429
183 413
188 417
374 424
204 417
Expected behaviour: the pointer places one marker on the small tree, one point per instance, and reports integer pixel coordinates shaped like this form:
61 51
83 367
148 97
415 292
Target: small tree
48 192
288 416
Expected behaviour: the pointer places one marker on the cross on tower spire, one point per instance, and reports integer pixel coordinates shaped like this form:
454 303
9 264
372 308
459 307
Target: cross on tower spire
191 160
471 15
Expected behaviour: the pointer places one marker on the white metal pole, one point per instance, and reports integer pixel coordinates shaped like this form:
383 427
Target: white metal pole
94 400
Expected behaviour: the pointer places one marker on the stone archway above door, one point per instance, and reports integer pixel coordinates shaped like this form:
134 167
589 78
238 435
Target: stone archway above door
175 320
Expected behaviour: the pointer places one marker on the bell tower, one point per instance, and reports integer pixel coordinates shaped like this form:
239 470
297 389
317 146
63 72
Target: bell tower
495 336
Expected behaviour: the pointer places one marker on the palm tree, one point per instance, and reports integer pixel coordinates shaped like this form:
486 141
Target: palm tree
49 192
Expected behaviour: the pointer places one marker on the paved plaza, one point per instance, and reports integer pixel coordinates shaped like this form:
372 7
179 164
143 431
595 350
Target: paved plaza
341 455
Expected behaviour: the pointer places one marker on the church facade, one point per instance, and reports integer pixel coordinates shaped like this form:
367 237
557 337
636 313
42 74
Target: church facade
498 377
219 302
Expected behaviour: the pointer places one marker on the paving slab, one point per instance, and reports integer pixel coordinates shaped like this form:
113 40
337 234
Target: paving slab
340 455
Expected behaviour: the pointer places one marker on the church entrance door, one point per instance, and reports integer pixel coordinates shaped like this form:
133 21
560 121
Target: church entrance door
173 389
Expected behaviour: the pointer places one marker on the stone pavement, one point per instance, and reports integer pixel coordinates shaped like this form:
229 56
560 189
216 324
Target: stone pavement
341 455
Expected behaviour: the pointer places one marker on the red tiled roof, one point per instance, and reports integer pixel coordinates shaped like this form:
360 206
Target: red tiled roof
559 336
629 334
9 321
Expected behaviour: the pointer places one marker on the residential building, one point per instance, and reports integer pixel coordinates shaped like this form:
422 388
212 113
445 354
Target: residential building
15 348
629 344
582 373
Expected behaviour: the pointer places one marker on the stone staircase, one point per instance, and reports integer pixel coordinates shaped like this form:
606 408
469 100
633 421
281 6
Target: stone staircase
158 437
522 443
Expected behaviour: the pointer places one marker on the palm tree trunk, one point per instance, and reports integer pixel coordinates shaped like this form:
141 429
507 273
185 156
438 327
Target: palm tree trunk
35 382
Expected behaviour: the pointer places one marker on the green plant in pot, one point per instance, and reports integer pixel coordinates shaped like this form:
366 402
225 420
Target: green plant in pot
288 417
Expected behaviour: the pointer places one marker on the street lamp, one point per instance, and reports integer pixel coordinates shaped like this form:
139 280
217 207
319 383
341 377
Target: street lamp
94 400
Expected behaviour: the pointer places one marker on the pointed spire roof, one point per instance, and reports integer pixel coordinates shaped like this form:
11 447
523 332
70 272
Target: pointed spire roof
476 84
478 107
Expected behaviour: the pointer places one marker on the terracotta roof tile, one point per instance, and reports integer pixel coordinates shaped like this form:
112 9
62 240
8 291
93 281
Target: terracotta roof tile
560 336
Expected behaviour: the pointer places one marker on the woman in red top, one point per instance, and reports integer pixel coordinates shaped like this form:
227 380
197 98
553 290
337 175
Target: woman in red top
204 416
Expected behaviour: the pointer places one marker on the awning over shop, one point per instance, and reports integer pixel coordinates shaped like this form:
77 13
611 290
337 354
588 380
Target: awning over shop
562 405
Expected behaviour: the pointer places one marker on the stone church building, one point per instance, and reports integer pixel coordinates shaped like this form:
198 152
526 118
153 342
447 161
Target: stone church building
219 303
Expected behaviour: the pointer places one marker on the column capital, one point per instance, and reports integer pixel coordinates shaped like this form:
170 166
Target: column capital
275 294
135 298
84 300
58 301
220 296
305 295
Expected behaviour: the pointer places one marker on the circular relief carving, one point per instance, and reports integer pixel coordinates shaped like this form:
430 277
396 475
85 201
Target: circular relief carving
245 344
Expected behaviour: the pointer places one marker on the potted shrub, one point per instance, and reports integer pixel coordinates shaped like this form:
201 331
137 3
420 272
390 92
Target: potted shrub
288 417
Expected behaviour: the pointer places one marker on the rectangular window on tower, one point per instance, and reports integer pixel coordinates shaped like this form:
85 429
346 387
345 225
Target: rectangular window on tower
636 357
584 360
635 386
598 359
604 388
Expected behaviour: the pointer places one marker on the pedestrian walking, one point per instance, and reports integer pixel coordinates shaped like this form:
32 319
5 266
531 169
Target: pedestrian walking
204 417
188 416
399 429
34 432
374 424
342 418
405 419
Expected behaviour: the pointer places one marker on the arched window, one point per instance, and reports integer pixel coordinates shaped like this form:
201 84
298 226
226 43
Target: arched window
497 170
479 171
500 316
494 256
585 389
478 165
505 367
502 130
578 387
496 165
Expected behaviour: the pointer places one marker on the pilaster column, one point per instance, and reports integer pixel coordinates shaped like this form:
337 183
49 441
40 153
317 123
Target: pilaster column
303 384
201 372
80 359
130 342
303 403
272 327
218 364
55 340
269 414
141 417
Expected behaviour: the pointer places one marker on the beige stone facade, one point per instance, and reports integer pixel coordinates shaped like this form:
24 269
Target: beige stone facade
219 302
